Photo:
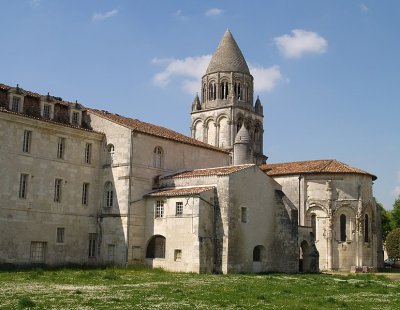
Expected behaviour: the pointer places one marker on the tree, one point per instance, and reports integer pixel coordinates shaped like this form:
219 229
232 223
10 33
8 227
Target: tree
393 244
396 213
386 221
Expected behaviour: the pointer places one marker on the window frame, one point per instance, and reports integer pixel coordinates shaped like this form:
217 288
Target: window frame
60 235
27 141
85 193
57 190
50 111
108 194
158 157
243 215
159 209
16 101
23 186
92 245
179 208
61 148
88 153
38 252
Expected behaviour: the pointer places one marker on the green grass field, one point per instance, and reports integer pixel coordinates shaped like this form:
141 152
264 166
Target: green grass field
139 288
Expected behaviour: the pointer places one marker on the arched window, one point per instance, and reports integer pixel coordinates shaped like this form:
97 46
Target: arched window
258 253
239 124
343 227
156 247
212 91
224 90
158 157
108 195
109 154
366 228
204 93
238 91
314 224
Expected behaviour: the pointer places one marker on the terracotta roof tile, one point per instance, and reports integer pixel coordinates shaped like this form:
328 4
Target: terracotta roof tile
218 171
311 167
153 130
4 87
180 191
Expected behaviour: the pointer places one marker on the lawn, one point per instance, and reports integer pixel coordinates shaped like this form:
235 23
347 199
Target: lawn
140 288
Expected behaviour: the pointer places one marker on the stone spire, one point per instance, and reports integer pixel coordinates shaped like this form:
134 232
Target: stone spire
242 149
196 105
228 57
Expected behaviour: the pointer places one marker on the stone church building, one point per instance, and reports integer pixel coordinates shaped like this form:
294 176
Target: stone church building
81 186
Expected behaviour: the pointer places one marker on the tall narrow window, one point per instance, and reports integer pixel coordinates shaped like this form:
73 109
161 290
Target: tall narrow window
224 90
179 208
244 215
238 91
366 228
314 224
23 186
60 234
15 105
108 195
75 118
47 111
61 148
38 252
159 209
158 157
85 194
57 190
343 227
110 154
26 145
92 245
88 153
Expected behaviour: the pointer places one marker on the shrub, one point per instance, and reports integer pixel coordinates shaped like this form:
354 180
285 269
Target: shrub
393 244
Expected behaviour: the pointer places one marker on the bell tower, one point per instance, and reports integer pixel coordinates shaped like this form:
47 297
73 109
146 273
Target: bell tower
226 103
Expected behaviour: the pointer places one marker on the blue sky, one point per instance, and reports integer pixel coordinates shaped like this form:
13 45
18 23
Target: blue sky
327 72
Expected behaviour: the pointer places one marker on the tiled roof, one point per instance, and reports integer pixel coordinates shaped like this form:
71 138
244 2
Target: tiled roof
218 171
311 167
3 110
4 87
153 130
180 191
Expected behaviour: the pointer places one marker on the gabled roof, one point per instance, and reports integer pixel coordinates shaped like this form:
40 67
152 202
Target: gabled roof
218 171
311 167
228 57
179 191
152 130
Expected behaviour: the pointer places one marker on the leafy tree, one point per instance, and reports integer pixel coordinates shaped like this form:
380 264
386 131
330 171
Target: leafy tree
393 244
396 213
386 220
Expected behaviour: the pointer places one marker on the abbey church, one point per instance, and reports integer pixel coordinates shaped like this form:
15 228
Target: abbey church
81 186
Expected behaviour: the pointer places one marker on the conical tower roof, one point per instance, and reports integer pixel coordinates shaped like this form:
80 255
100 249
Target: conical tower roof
228 57
243 135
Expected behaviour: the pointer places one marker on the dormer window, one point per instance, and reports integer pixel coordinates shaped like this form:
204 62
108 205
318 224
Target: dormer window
16 104
47 111
75 117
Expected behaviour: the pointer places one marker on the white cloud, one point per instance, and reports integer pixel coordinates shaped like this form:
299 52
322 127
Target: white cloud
34 3
300 42
265 79
213 12
102 16
179 14
396 191
191 69
364 8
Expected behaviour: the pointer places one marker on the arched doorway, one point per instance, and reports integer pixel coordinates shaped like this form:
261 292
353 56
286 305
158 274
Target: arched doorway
258 258
156 247
304 257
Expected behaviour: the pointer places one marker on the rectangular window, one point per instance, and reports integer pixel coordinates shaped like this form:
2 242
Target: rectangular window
178 255
61 148
88 153
92 245
15 104
75 118
57 190
23 186
179 209
111 252
26 145
244 215
38 252
85 194
159 209
47 111
60 234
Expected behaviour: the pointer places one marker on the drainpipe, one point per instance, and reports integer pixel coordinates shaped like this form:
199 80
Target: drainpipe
129 199
300 211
